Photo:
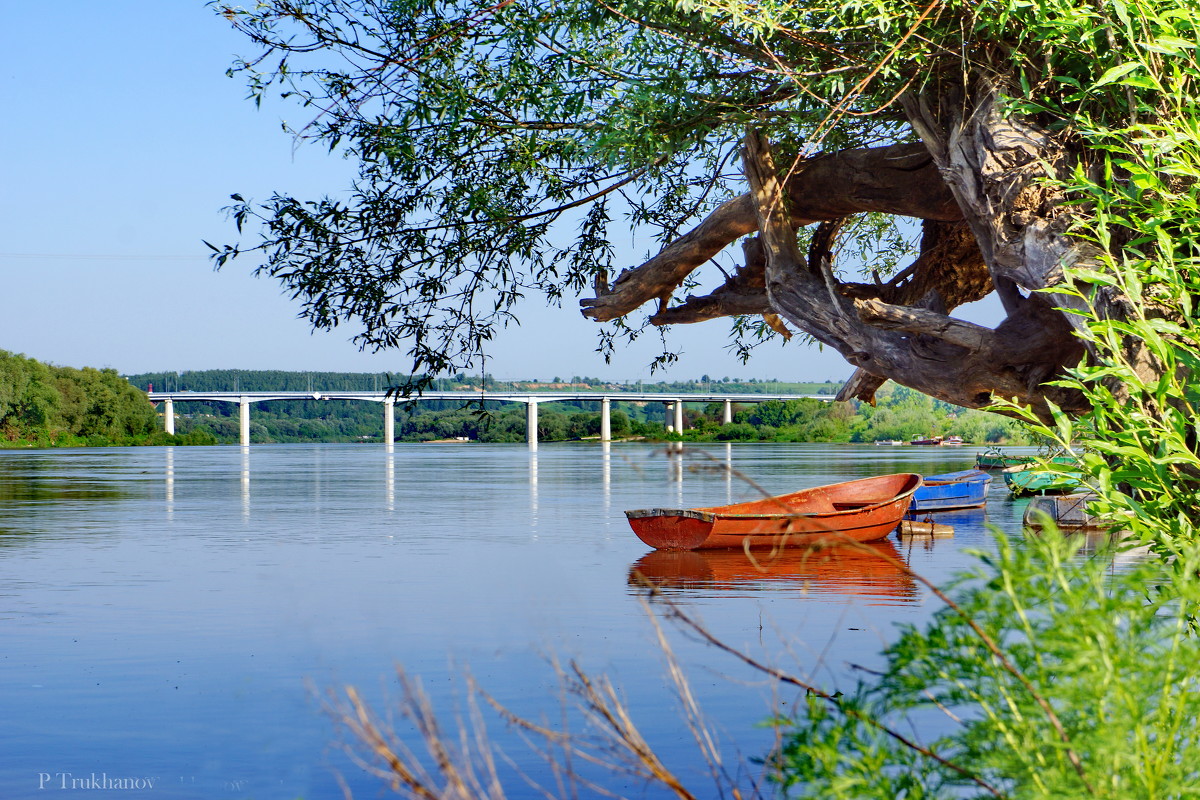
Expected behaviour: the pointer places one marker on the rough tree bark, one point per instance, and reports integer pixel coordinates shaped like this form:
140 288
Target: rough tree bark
990 224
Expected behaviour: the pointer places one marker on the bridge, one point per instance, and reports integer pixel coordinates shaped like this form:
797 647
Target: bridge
672 402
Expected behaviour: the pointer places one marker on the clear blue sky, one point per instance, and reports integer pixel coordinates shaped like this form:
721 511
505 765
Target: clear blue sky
122 140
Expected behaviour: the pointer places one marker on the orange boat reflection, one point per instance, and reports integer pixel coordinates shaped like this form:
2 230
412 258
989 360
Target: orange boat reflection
873 569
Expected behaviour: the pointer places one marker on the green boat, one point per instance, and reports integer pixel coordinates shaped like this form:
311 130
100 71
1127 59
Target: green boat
1027 479
993 458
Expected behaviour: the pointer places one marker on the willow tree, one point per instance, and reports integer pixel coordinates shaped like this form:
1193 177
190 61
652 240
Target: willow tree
853 171
1047 151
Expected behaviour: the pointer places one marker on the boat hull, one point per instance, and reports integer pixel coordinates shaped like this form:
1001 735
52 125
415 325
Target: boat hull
952 491
985 461
865 510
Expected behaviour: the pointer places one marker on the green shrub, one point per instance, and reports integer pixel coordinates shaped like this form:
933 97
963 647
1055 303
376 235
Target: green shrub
1049 676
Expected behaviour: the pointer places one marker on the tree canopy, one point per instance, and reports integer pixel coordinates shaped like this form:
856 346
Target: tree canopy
507 148
45 404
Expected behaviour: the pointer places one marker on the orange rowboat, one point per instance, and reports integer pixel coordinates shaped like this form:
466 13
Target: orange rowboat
862 511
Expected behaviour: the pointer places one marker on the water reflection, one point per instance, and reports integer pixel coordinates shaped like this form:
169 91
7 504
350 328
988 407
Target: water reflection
533 484
170 477
874 570
675 463
1118 546
970 524
245 481
46 481
390 479
606 455
33 486
729 472
965 518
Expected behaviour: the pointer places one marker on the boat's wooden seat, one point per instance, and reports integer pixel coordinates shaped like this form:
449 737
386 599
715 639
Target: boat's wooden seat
849 505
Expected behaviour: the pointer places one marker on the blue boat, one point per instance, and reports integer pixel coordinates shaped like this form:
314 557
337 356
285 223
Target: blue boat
951 491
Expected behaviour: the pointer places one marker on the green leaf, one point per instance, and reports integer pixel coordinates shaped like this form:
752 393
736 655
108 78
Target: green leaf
1170 45
1113 74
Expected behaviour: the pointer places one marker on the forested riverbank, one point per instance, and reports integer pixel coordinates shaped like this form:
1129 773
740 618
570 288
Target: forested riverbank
42 405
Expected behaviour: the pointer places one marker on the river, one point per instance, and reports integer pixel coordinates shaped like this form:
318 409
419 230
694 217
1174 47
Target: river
174 620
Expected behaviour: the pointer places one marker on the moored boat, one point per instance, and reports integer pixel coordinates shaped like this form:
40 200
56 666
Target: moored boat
951 491
1028 479
1066 511
863 510
925 440
995 458
952 441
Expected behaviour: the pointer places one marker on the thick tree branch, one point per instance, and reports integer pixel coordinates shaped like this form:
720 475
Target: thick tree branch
913 320
862 385
898 179
823 313
744 292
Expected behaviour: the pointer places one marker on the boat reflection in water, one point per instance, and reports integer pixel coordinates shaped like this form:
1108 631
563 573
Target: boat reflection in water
968 525
872 570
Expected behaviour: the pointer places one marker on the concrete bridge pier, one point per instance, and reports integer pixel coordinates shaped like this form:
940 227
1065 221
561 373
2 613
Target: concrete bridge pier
244 420
531 420
727 413
679 416
389 421
605 420
169 415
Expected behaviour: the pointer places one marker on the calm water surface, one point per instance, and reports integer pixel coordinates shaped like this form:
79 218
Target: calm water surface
177 615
